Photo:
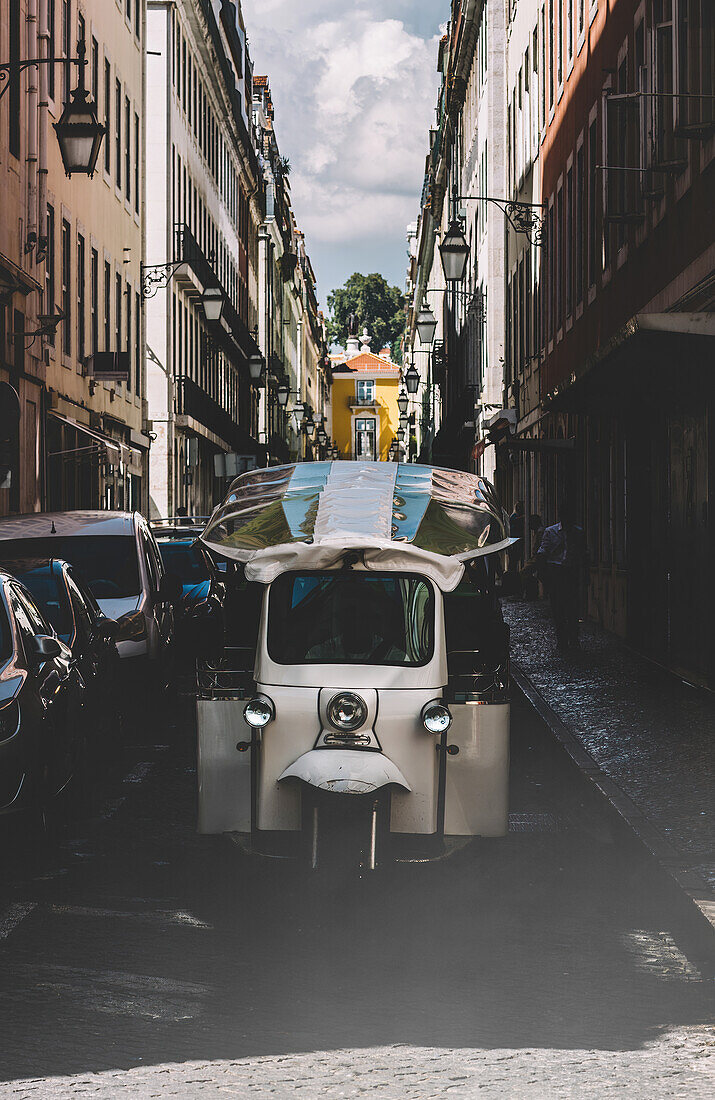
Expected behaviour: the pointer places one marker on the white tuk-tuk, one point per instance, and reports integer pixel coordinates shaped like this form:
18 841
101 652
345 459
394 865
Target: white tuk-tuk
359 708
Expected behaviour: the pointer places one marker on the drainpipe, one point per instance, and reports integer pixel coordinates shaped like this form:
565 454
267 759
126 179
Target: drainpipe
42 114
31 159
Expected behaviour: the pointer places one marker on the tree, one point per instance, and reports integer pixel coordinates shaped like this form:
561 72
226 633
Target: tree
377 306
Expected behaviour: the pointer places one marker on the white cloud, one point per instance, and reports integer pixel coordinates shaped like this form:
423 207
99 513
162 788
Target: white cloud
354 87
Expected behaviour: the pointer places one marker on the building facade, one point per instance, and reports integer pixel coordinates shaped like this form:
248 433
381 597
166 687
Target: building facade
466 166
73 246
205 206
623 299
364 415
291 327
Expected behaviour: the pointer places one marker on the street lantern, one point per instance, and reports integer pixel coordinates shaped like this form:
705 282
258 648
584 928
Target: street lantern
403 420
403 401
298 411
426 325
212 301
400 434
255 366
79 131
322 436
454 251
412 380
309 425
283 392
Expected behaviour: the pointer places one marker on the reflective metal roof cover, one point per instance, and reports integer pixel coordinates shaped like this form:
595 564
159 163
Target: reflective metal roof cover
311 510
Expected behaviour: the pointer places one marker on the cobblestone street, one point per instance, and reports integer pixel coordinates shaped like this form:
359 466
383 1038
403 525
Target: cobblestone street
140 959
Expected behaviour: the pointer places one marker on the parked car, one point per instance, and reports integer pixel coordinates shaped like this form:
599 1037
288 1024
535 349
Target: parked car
41 697
117 555
199 622
71 609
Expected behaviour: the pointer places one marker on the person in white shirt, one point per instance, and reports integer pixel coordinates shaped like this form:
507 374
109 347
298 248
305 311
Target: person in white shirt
561 558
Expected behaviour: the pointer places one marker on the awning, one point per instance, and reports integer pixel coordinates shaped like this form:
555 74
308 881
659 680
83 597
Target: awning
115 451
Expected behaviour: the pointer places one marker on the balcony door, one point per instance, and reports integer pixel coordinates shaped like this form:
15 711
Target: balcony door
365 438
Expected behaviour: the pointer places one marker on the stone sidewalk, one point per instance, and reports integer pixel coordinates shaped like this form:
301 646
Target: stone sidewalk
645 737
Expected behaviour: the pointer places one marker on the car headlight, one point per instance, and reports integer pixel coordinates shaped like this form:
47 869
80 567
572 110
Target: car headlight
9 720
259 711
436 717
347 711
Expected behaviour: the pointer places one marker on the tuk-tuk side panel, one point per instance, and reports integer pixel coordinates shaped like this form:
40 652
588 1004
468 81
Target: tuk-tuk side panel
224 773
477 788
407 743
293 731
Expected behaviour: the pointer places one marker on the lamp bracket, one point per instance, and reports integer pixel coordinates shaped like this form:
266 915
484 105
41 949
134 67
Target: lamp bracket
154 277
522 216
7 71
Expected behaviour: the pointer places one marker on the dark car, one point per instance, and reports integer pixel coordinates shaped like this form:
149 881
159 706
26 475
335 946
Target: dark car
199 625
42 696
70 607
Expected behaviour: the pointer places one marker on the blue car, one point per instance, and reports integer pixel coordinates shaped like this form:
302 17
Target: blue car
199 614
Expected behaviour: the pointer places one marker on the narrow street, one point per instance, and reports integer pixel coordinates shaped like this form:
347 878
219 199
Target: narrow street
137 957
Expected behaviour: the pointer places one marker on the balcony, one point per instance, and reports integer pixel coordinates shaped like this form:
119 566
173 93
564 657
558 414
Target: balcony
196 273
193 402
364 402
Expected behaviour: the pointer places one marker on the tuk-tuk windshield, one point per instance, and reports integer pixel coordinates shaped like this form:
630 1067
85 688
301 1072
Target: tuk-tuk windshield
351 618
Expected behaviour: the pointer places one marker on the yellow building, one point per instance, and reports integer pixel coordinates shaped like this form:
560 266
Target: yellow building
364 416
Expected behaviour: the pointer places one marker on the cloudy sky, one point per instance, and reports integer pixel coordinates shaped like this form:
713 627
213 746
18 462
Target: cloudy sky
354 85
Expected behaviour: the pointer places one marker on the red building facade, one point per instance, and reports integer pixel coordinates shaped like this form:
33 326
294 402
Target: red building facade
627 293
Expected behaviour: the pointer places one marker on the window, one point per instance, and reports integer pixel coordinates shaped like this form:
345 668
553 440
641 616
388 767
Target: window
94 50
559 258
50 268
138 345
118 131
365 436
94 299
51 47
551 53
137 162
129 336
569 29
351 618
107 305
696 68
66 47
107 114
127 148
81 298
365 389
137 18
107 563
543 69
568 243
559 43
668 148
592 194
580 17
118 312
14 81
579 227
66 289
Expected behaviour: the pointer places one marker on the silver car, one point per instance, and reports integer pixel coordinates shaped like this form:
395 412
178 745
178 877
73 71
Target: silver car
117 555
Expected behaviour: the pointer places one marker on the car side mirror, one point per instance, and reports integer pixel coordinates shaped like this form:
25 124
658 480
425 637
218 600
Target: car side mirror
131 627
170 588
45 647
107 628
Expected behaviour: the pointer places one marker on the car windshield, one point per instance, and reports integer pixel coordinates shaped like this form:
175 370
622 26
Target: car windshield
351 618
6 644
49 593
184 560
107 563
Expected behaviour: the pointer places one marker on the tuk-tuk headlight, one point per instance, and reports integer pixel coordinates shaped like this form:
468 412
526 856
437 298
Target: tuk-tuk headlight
347 712
259 711
436 717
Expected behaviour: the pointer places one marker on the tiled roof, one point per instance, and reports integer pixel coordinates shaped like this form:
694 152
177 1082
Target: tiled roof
366 363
